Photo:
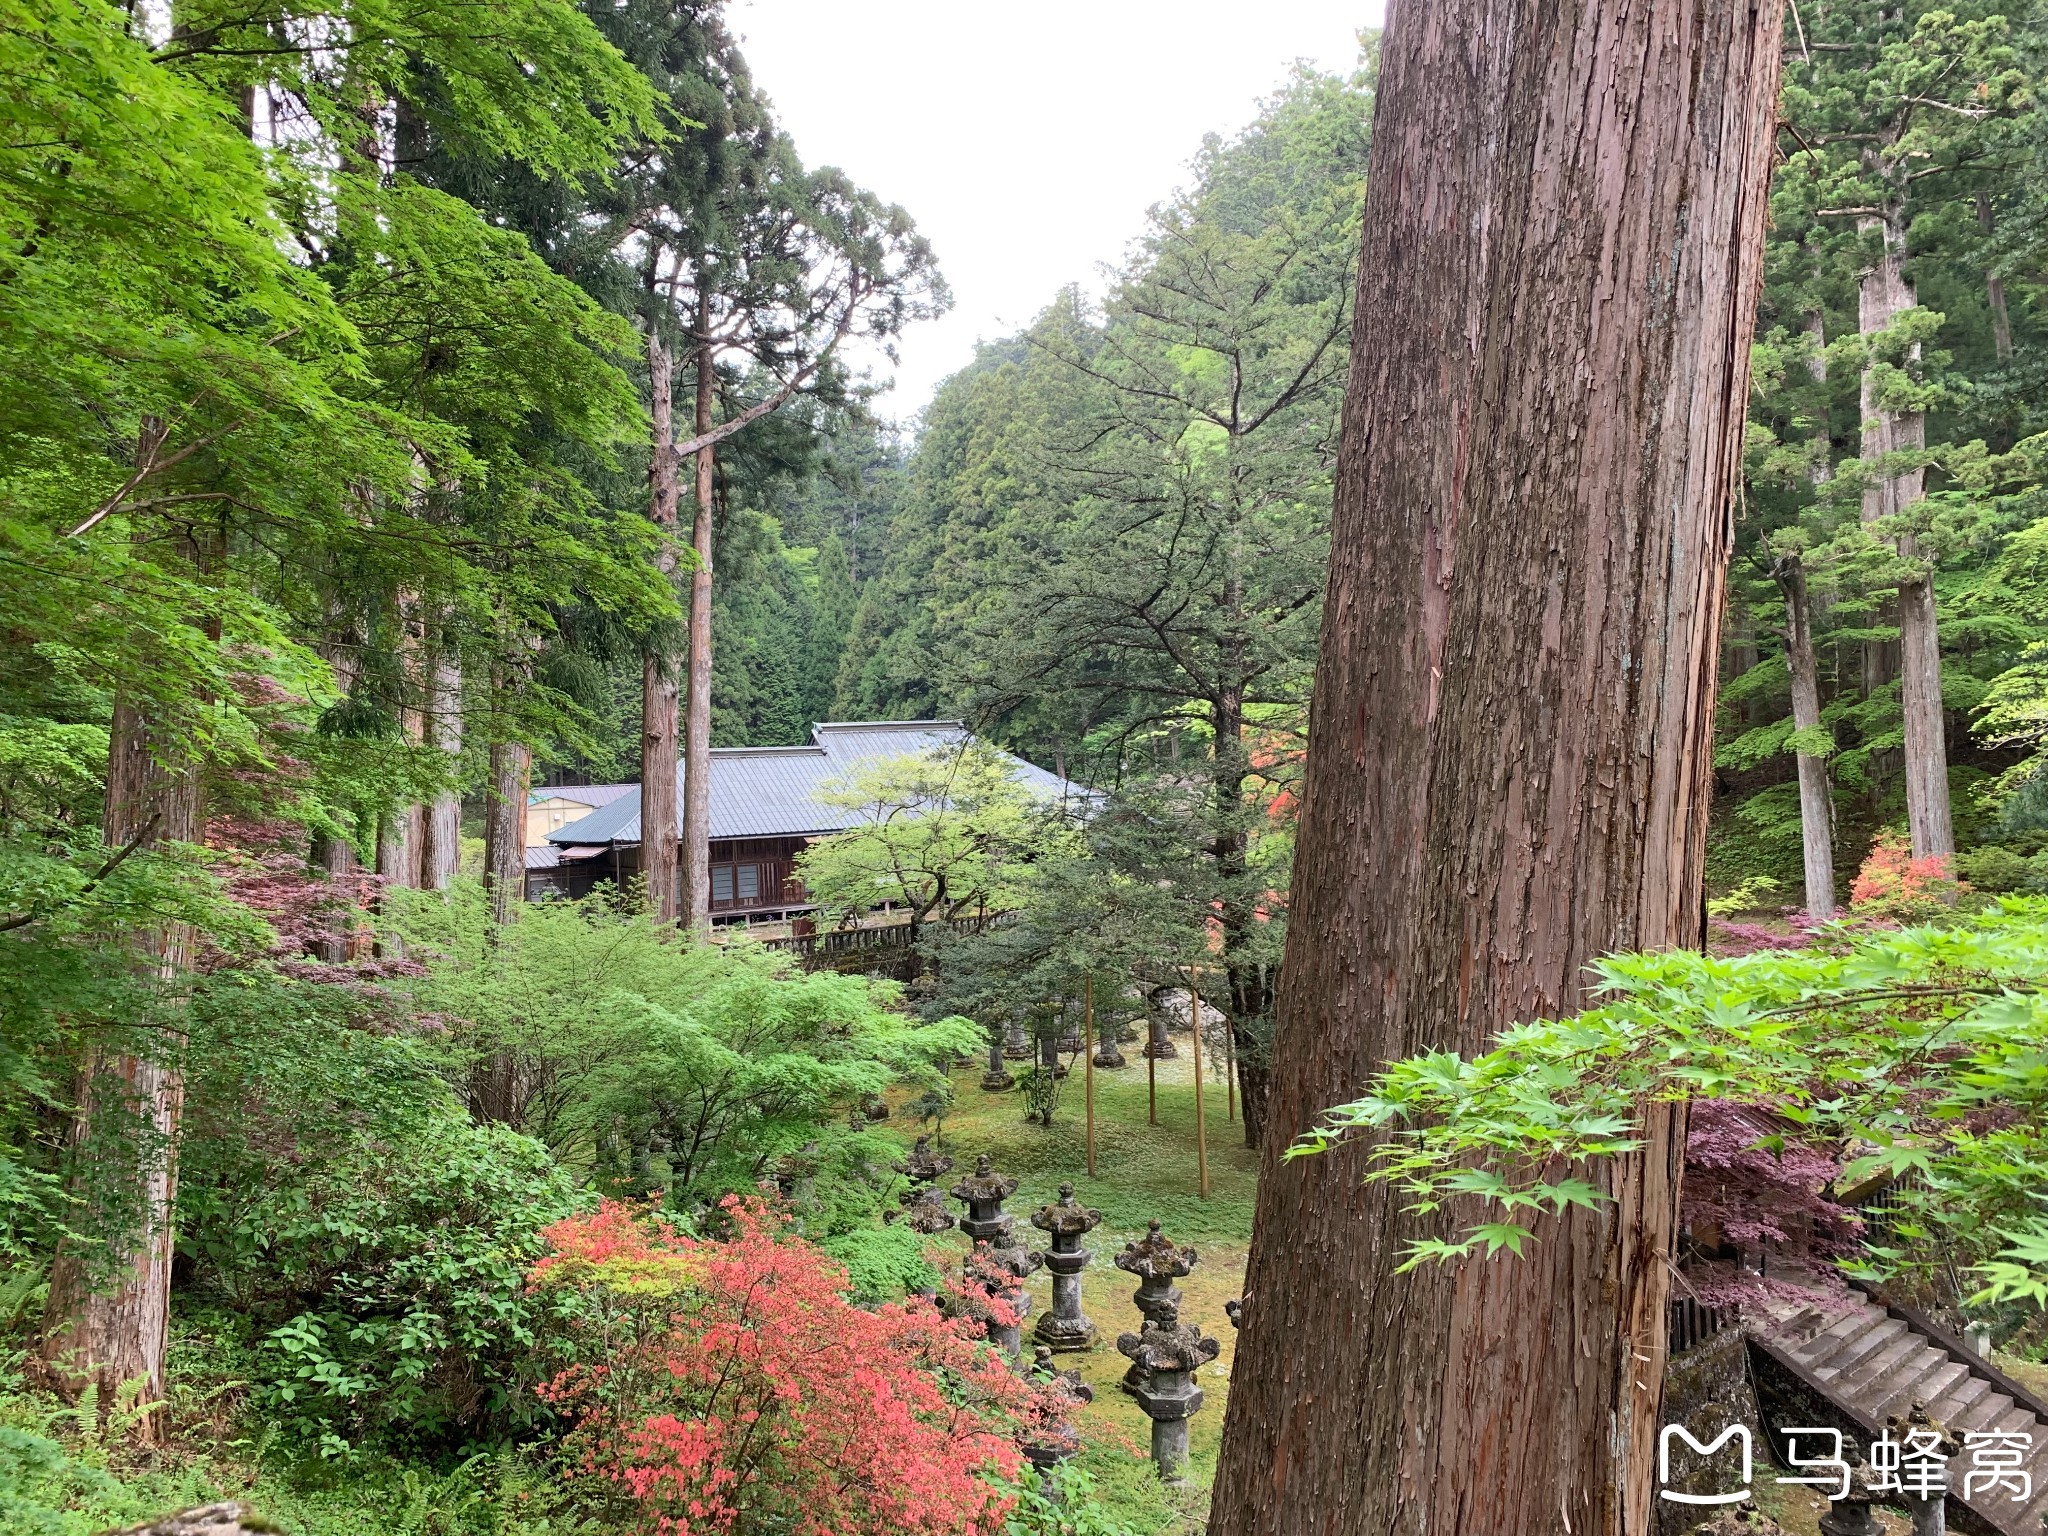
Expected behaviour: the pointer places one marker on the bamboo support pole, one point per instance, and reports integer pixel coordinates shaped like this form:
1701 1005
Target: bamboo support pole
1088 1048
1201 1125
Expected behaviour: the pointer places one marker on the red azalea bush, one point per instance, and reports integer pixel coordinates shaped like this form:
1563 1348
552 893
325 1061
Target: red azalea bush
729 1386
1893 884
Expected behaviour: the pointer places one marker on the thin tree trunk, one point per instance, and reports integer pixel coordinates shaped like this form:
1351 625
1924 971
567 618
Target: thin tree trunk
1884 294
108 1311
401 832
335 857
1927 803
1816 811
441 818
697 721
495 1092
1994 288
1247 997
1508 773
505 828
1740 651
1822 440
658 694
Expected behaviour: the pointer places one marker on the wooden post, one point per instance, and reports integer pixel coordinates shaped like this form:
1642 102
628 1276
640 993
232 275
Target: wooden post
1229 1074
1088 1049
1201 1126
1151 1078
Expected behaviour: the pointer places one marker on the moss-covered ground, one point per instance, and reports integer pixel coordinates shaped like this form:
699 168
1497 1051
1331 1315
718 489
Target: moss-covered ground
1143 1172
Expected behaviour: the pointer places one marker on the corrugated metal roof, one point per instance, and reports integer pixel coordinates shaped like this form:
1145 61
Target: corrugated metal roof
773 791
547 856
592 795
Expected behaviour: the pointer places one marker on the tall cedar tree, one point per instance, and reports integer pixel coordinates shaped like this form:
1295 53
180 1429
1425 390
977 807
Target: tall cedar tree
1508 768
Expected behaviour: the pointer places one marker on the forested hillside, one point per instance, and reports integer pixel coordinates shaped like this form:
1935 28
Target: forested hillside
1894 447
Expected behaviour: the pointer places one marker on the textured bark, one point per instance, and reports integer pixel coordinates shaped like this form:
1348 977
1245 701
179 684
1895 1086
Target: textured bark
398 840
658 702
1994 288
335 857
697 720
441 818
496 1088
1927 806
1816 810
402 830
1508 772
505 828
1883 294
109 1307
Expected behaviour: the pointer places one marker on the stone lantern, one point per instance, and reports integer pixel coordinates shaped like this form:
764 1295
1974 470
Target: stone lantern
999 1261
1743 1519
1066 1223
1929 1514
997 1078
1157 1264
1049 1444
926 1212
921 1165
1169 1352
983 1193
1001 1272
1853 1514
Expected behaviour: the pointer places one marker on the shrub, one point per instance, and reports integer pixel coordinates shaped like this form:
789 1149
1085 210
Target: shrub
688 1068
411 1261
337 1196
730 1386
1893 884
1998 869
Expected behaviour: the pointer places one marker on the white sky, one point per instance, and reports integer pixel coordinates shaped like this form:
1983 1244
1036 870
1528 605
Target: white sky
1027 140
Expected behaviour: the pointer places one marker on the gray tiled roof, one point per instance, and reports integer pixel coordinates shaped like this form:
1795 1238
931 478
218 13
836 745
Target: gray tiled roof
773 791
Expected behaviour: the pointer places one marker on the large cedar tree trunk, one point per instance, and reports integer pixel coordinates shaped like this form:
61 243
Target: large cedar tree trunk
1508 771
697 721
441 818
108 1308
505 827
1883 295
1816 810
658 701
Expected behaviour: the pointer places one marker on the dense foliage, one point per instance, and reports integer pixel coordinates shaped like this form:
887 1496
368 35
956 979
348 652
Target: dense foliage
728 1385
1919 1048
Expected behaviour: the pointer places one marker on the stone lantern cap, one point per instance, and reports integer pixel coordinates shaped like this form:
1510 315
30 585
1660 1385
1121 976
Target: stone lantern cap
984 1185
1168 1344
1043 1369
1744 1519
1155 1258
1066 1218
1003 1267
921 1165
925 1212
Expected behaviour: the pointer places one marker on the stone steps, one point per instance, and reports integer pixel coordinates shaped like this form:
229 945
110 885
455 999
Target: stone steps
1875 1364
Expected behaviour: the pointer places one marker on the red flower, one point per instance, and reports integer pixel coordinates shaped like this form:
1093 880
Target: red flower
740 1390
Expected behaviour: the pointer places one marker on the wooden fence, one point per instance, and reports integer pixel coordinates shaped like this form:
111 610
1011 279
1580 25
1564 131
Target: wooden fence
881 943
